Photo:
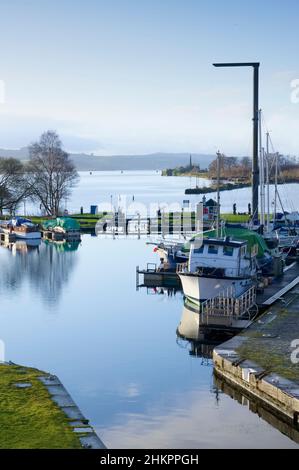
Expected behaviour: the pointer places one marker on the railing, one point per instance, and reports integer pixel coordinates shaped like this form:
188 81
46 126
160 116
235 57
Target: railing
226 305
151 267
182 268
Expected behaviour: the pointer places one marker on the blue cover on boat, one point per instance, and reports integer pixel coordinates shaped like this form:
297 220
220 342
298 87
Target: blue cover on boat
18 221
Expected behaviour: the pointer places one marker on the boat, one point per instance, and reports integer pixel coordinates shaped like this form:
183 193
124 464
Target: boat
62 228
22 228
171 254
218 266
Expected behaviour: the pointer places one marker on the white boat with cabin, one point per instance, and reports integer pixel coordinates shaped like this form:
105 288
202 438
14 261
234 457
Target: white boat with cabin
218 265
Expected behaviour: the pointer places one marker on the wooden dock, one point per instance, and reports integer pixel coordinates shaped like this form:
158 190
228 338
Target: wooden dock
153 277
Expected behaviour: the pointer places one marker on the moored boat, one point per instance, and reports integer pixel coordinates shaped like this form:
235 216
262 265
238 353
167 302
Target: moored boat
218 266
22 228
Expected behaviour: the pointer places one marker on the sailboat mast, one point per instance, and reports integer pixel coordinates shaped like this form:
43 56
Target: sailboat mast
276 183
218 194
268 181
262 177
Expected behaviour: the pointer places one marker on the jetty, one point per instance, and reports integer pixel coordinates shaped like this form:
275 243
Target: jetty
262 360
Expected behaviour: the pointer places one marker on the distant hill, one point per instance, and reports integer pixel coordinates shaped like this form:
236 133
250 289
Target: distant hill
155 161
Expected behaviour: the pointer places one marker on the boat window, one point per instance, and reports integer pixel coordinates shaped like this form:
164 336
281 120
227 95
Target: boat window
228 250
199 250
213 250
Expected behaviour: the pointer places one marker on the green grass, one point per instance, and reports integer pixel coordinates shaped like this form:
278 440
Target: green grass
231 218
29 419
269 343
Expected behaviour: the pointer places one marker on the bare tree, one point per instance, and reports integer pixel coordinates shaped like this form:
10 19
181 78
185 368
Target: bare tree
51 173
13 184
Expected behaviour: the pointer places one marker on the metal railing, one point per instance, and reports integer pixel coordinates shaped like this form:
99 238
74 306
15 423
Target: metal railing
182 268
229 306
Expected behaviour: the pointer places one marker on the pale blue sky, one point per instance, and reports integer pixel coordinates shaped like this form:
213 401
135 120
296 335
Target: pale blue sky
126 76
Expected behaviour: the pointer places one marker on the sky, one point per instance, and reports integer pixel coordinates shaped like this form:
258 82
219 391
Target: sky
131 77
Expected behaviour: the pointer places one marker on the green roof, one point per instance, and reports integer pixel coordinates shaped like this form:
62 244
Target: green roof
67 223
237 233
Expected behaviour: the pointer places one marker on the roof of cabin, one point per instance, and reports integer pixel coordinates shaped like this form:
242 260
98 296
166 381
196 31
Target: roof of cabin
211 202
223 242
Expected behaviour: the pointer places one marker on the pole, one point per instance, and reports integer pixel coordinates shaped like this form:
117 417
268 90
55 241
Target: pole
276 182
255 164
261 178
268 182
218 193
255 151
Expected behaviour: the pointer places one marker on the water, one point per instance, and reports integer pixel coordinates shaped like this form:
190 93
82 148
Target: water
76 313
149 188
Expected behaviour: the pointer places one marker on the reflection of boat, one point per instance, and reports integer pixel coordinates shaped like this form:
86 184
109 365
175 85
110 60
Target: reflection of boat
189 327
22 246
63 246
22 228
218 266
201 338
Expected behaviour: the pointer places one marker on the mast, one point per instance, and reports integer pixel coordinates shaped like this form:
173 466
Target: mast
218 194
262 177
276 183
268 181
255 163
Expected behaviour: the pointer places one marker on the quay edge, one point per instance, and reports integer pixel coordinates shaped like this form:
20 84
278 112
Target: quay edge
258 361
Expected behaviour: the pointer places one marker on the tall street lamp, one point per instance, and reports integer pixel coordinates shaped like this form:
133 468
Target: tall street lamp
255 163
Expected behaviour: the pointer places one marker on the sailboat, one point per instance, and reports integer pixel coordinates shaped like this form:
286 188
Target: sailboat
283 230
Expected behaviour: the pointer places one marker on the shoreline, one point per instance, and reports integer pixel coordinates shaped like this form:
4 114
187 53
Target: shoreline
37 412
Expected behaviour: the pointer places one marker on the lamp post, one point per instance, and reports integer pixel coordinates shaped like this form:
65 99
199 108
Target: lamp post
255 164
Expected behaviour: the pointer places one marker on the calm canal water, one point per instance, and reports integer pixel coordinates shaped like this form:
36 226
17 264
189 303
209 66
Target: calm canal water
75 312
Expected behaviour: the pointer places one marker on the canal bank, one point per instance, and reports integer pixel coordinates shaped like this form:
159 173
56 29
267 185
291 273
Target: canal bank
263 360
36 412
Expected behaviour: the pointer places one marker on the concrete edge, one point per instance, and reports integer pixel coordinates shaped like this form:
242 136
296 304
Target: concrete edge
89 438
280 394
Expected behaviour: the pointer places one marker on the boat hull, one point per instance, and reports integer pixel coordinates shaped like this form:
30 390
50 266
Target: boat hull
198 288
27 235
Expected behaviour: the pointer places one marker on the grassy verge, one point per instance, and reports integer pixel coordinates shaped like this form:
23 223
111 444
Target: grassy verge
269 342
29 419
231 218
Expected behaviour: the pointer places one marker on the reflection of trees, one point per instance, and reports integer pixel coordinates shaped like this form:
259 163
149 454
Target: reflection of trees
46 268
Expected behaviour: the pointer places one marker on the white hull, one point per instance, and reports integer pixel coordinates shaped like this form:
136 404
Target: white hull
199 288
28 235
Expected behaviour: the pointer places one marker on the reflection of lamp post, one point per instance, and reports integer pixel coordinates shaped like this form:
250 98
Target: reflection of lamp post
255 164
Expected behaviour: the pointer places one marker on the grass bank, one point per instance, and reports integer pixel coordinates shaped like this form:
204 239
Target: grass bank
29 419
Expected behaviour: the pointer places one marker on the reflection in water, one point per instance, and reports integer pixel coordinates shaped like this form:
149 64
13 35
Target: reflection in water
46 266
201 343
201 339
257 407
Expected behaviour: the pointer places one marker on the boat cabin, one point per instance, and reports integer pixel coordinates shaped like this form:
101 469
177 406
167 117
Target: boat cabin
220 257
